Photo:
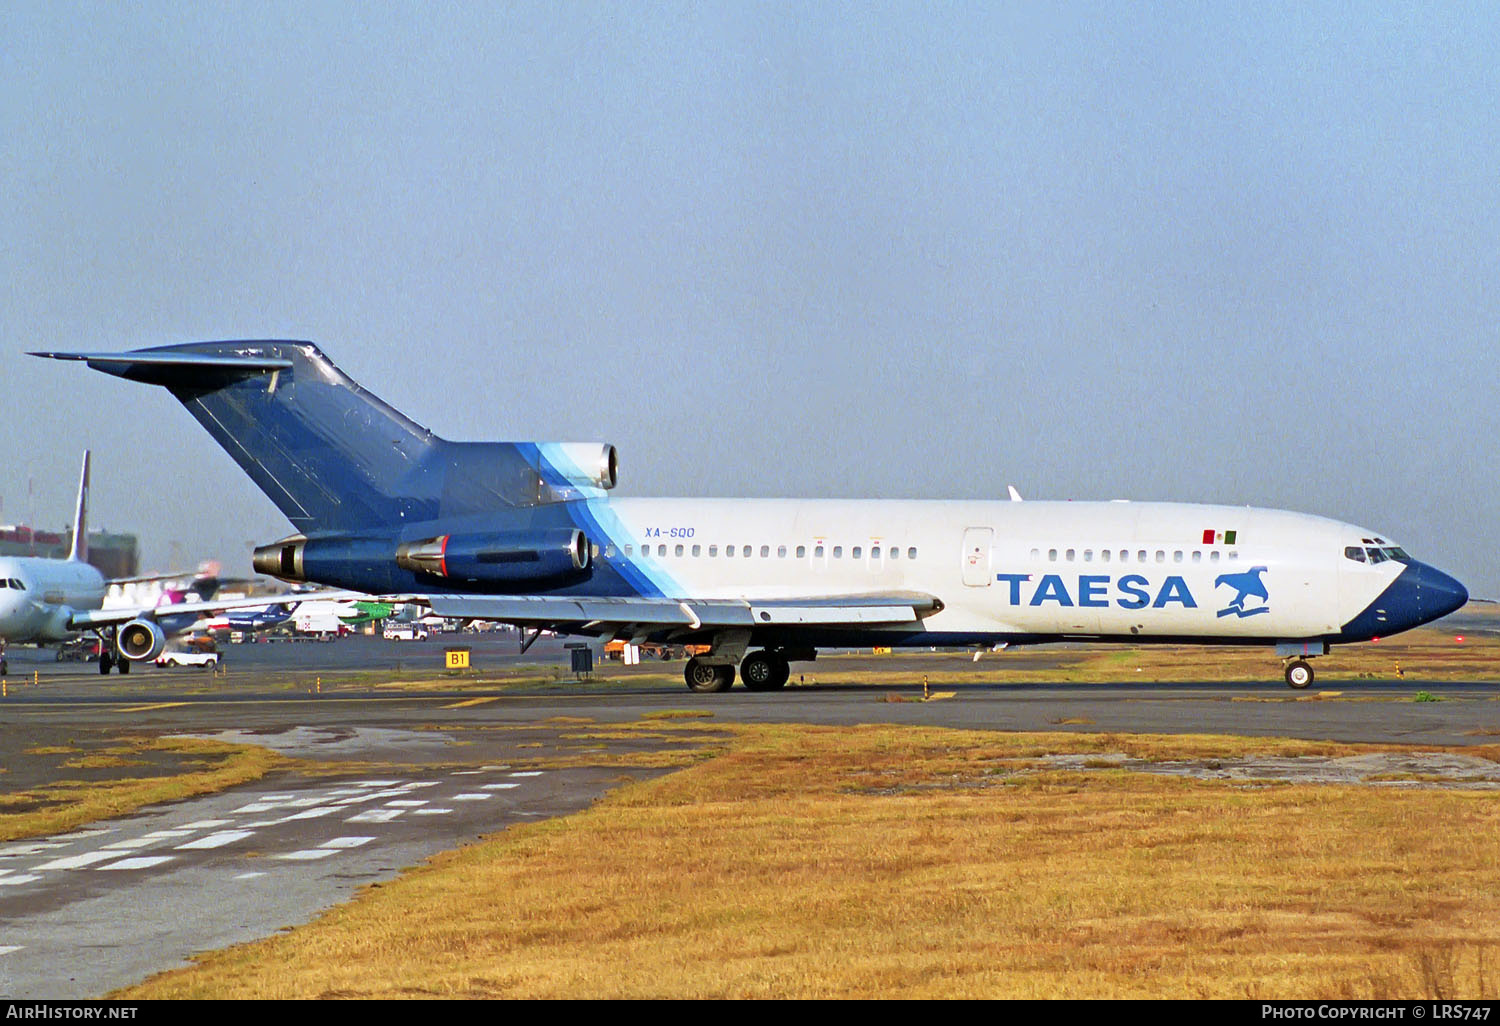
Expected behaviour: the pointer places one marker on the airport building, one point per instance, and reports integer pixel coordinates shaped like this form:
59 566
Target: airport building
115 555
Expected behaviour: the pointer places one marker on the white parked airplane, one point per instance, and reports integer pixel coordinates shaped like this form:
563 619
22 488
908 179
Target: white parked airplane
46 600
525 533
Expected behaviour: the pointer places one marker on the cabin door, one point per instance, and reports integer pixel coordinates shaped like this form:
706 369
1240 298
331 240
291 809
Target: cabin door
976 556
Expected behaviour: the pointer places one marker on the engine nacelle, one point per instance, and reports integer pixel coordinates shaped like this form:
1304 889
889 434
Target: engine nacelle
582 464
140 640
282 559
503 557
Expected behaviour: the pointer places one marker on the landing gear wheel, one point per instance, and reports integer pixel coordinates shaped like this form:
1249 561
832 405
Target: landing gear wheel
124 666
764 671
1299 674
706 679
105 662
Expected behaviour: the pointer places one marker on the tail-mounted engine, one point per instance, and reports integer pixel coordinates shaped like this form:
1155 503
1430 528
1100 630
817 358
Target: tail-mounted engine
506 557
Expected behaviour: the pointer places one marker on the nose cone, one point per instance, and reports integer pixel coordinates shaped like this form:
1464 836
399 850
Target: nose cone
1434 592
1419 595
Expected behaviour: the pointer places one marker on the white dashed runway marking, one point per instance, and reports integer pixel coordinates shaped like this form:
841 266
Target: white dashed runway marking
126 853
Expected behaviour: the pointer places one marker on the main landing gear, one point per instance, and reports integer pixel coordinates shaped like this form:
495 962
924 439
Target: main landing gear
761 671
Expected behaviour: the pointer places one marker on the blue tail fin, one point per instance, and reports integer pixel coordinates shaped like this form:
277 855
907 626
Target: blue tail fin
333 457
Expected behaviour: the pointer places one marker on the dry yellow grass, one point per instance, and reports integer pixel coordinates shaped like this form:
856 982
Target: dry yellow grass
880 862
201 767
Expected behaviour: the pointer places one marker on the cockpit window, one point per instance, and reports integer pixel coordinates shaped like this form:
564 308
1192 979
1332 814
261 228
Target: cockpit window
1376 555
1355 553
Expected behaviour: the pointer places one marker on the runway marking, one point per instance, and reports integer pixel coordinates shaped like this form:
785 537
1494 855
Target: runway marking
375 816
35 848
527 773
408 804
8 948
139 862
305 855
471 797
206 824
217 840
431 812
472 701
88 858
500 787
346 842
6 881
309 814
249 876
150 708
376 783
134 842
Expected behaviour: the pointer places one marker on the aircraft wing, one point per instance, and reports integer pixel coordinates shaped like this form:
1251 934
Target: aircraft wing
84 620
607 615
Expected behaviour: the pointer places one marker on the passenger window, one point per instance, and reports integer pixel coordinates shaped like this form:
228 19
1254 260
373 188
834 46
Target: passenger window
838 552
818 552
1140 557
1052 555
729 550
1035 553
875 552
1197 557
609 552
713 550
765 552
627 551
697 551
1234 557
1213 557
781 552
1161 556
911 553
1104 555
1088 555
801 551
746 551
678 551
1177 556
895 552
661 550
854 552
1071 554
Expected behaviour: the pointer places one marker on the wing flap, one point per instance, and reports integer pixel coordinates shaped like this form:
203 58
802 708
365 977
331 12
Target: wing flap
693 614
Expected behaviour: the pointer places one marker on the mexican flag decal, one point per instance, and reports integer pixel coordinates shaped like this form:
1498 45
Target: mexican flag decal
1212 537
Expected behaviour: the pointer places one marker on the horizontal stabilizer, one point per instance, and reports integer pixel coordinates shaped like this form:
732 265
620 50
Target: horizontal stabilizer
176 369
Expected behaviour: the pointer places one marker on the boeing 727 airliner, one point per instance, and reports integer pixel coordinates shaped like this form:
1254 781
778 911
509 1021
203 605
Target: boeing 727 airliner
526 533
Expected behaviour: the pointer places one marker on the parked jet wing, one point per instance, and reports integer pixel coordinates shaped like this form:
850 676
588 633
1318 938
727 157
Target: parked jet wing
93 618
598 614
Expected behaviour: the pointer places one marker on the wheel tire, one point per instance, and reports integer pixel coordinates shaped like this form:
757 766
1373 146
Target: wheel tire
783 672
758 671
1299 674
105 662
124 665
706 679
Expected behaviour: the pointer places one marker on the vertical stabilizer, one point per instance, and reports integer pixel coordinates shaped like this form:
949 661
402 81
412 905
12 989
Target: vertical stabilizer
80 551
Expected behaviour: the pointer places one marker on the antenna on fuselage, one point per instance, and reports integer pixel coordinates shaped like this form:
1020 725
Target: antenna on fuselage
1015 496
80 550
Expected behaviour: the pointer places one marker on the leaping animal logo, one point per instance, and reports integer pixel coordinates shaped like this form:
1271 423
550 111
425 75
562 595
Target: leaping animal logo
1245 585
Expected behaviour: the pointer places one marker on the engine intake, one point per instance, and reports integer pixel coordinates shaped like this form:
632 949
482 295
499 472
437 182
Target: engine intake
140 639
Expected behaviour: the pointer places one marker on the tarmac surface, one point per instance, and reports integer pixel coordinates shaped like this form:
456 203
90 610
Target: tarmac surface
405 775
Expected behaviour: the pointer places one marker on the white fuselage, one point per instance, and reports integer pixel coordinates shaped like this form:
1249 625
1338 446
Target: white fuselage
39 595
1014 568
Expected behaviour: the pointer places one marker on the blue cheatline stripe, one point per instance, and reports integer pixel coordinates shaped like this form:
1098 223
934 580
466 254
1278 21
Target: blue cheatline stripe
601 525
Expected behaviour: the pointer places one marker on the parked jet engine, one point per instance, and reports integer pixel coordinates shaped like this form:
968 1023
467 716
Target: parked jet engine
140 640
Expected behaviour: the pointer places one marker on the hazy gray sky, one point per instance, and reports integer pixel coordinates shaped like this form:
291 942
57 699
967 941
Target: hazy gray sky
1244 254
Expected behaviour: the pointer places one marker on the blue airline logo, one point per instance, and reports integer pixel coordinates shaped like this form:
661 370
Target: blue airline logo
1246 586
1132 591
